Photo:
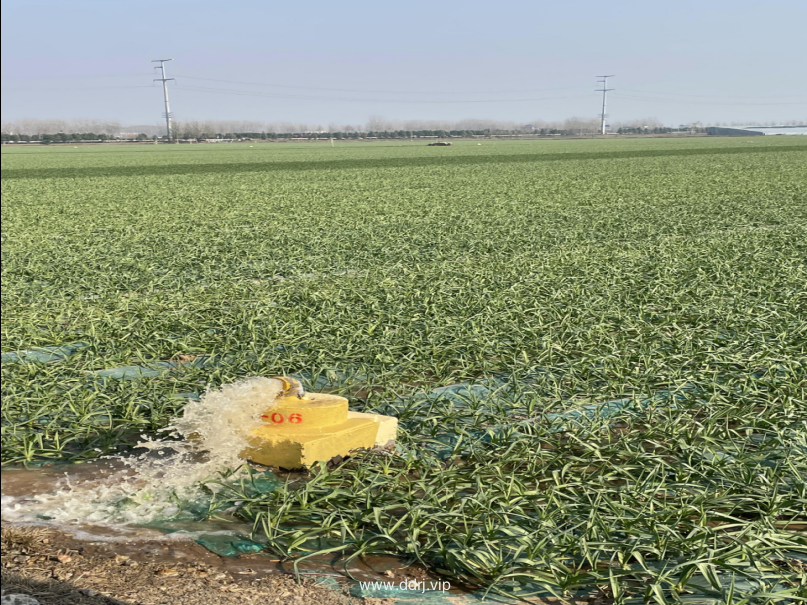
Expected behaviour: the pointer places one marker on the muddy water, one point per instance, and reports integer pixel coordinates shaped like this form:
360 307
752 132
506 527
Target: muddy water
174 542
144 503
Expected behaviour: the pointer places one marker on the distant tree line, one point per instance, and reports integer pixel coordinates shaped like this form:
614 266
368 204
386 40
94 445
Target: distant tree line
30 127
395 134
67 131
385 134
411 134
653 130
63 137
181 135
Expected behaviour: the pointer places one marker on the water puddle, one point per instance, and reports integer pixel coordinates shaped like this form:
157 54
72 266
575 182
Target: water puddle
25 490
156 504
181 468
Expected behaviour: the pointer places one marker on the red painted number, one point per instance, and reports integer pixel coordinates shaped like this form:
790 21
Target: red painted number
278 418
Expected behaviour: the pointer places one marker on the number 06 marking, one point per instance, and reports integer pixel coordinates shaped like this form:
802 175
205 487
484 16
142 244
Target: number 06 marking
278 418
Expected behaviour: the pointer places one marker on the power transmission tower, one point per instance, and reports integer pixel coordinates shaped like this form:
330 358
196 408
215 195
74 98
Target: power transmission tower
164 80
604 90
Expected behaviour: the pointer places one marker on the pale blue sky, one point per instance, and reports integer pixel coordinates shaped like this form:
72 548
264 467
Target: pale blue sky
709 60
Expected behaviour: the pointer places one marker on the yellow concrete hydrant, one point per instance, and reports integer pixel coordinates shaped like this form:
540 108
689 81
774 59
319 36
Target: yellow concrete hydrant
303 428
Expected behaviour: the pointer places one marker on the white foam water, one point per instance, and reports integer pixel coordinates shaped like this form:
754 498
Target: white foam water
183 466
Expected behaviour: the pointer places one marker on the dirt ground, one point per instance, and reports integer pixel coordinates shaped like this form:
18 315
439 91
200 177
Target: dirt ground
56 570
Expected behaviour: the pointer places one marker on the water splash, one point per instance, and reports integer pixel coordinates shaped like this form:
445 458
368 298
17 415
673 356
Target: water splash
180 468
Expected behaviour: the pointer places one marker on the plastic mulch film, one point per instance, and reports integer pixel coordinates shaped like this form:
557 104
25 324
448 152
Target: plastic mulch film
53 354
499 391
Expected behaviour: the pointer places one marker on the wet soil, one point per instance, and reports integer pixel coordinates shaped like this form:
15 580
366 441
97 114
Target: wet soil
91 564
20 485
56 569
84 564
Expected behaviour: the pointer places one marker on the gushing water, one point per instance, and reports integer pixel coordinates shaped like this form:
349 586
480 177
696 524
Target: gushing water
199 447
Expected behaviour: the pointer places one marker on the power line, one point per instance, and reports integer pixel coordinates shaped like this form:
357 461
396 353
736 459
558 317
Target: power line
682 94
62 88
693 102
27 79
293 87
252 93
391 92
164 80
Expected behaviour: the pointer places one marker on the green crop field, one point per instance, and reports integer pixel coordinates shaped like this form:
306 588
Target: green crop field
668 276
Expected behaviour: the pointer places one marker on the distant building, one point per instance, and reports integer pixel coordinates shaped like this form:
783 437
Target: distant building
750 131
